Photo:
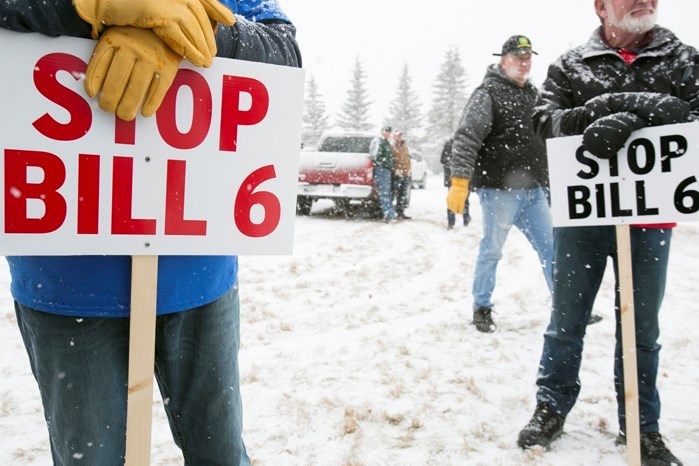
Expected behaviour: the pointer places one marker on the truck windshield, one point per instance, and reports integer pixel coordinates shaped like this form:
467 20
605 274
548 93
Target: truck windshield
346 144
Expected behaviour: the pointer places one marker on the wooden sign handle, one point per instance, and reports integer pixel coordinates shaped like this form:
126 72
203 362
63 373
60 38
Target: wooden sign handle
144 285
628 340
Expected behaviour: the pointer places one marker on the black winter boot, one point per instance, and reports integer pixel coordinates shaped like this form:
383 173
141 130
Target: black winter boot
483 320
654 452
544 427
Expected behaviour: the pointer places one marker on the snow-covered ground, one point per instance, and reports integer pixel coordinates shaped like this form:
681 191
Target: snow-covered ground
358 350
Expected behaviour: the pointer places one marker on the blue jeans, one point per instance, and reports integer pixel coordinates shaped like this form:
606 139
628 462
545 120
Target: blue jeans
528 210
580 259
383 178
81 367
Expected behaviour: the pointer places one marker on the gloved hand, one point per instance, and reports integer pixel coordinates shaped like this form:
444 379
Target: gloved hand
600 106
128 65
654 107
457 195
184 25
606 136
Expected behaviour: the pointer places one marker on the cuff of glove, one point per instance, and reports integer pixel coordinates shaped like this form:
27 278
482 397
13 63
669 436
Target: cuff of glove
91 12
459 183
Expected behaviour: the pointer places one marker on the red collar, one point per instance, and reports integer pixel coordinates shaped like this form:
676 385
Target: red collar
628 55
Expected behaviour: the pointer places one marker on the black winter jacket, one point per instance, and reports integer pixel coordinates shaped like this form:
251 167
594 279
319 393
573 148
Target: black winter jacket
271 41
665 65
445 160
495 145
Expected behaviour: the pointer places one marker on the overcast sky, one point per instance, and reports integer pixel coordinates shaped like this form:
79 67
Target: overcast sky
386 34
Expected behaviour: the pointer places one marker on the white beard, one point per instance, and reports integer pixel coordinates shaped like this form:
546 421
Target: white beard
631 24
512 72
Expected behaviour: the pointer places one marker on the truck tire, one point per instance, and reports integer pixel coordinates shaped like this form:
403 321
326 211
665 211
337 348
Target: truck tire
344 207
370 207
303 205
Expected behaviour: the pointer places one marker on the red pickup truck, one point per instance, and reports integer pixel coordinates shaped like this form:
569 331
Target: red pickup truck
339 169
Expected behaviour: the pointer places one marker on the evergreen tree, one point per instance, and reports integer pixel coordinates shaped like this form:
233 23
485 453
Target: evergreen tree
404 109
355 110
449 99
315 120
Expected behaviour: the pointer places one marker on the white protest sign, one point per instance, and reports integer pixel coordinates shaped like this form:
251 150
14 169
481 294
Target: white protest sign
213 172
653 179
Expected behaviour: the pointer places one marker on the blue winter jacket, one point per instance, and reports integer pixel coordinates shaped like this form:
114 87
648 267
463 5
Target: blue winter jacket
91 286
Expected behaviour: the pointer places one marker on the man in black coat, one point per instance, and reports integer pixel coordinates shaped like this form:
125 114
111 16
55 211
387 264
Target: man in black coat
630 74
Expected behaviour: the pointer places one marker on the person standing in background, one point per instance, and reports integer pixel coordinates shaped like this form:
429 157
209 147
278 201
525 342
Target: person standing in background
401 173
445 160
382 158
497 153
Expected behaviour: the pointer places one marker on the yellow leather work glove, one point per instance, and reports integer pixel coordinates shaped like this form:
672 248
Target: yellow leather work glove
458 193
184 25
131 66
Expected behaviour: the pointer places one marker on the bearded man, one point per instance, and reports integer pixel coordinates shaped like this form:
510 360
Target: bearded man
630 74
497 154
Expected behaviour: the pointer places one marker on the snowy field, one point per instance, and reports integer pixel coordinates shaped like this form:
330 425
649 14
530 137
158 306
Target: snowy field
357 350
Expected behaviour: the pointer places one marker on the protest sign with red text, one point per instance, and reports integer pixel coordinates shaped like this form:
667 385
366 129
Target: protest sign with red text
213 172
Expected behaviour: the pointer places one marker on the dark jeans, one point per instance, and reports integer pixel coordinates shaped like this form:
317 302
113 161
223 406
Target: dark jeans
401 186
81 366
580 259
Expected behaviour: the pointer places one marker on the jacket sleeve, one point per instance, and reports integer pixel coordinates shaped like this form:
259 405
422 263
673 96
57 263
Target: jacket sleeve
269 41
556 113
690 82
50 17
474 127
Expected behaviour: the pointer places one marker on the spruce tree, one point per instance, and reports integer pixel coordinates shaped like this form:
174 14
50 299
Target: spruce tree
354 115
449 99
404 109
315 119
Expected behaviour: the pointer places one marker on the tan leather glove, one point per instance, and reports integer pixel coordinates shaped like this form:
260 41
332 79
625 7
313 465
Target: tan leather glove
131 66
184 25
458 193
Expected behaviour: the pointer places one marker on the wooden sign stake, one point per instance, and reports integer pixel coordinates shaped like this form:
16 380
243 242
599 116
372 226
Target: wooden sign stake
144 285
628 340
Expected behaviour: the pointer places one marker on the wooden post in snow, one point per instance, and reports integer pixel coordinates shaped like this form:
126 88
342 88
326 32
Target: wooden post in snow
628 341
144 284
